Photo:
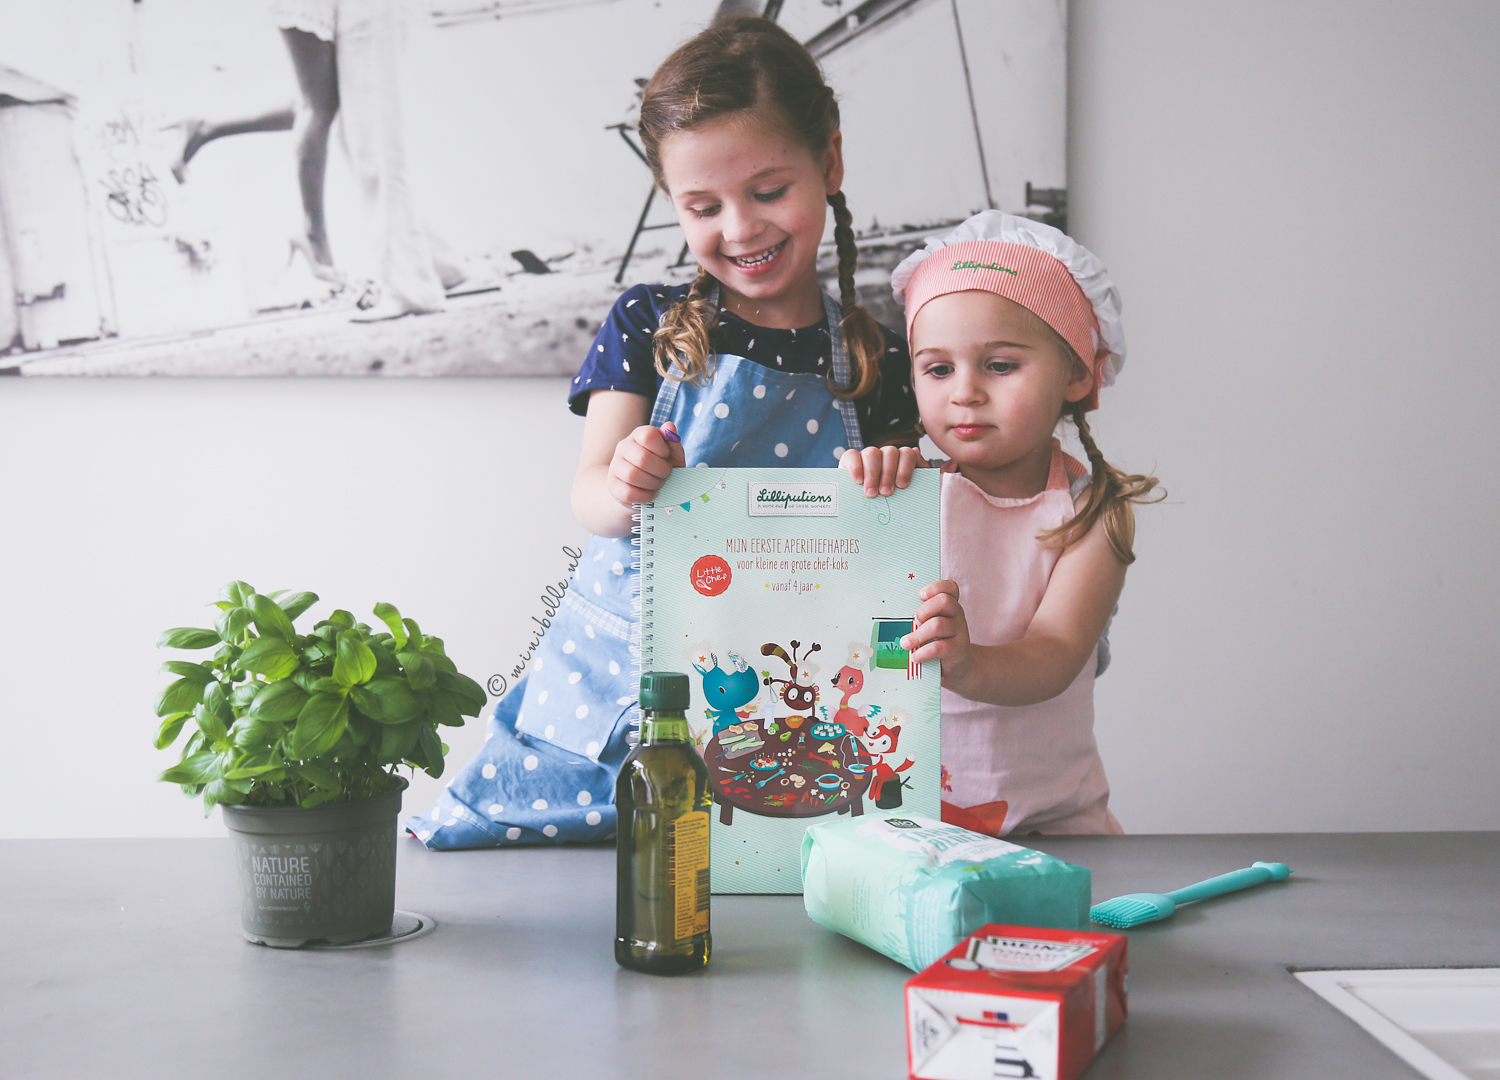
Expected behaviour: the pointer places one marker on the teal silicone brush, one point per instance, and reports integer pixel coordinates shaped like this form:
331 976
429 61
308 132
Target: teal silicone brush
1132 909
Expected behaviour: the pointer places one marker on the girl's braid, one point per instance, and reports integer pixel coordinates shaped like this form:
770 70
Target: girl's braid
681 339
862 334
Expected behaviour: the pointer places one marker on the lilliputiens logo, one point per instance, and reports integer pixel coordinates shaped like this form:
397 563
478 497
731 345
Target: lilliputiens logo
793 500
970 264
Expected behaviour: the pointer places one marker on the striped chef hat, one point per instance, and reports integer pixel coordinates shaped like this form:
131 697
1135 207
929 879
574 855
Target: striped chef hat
1039 267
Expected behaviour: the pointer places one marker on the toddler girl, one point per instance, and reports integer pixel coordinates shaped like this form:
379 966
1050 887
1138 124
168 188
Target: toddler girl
751 365
1013 327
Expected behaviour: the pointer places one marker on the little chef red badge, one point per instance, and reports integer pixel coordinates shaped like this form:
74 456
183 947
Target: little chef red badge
710 575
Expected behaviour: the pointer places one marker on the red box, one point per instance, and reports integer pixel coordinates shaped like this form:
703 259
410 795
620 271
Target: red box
1020 1001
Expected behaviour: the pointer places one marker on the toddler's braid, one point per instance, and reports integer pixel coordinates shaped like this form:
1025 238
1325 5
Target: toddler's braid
1110 495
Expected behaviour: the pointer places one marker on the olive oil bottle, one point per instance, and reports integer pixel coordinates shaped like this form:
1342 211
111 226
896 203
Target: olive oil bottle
663 802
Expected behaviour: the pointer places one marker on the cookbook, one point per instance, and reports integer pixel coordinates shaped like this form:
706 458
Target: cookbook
784 595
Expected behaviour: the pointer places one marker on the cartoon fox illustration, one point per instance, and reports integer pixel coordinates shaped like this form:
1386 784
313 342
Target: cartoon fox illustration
878 743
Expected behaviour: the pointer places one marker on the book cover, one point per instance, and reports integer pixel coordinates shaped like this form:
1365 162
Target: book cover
783 594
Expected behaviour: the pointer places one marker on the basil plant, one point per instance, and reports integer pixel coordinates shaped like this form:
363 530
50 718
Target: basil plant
280 718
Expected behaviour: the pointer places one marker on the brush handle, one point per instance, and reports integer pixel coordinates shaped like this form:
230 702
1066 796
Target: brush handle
1232 881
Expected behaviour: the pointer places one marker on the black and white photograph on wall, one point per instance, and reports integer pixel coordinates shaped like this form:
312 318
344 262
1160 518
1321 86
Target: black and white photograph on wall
443 187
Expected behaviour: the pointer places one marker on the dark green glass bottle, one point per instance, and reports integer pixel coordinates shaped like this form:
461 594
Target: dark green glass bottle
661 839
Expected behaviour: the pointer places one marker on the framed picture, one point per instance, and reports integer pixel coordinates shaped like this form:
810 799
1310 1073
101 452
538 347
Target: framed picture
442 187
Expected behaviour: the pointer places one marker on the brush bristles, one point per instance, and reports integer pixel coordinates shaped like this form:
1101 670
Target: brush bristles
1123 914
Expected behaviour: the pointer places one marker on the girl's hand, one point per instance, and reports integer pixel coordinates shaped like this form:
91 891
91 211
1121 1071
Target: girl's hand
642 462
882 469
940 631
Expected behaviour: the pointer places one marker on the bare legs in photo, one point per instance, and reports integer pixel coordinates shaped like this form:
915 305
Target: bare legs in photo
315 63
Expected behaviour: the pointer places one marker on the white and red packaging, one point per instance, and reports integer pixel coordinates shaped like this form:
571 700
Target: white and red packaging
1022 1001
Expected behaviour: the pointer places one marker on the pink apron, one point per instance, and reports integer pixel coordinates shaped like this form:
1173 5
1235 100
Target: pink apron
1016 769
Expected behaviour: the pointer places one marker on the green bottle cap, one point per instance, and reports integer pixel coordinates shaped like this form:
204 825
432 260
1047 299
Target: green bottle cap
664 690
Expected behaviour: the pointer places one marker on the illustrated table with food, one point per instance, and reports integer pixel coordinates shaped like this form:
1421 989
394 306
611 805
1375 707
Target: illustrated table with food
124 958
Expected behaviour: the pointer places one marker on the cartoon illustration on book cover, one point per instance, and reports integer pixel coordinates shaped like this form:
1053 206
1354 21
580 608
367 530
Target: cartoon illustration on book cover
787 599
795 758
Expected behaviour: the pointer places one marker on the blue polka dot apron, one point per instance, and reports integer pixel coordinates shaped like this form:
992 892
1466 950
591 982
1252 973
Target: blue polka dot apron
555 742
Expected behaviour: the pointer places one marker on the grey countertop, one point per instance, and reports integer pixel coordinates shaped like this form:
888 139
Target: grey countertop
122 958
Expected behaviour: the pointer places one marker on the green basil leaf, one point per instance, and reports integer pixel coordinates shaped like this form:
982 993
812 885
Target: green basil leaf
468 693
397 701
199 673
250 734
269 656
388 614
278 702
439 659
325 685
249 772
179 696
197 768
209 723
443 708
216 702
296 603
398 740
420 672
317 798
385 659
432 751
361 729
270 619
342 619
221 791
319 725
320 777
243 694
355 663
187 637
236 592
231 624
171 727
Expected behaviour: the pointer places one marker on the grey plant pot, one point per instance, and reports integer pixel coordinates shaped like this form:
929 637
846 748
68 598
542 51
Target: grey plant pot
324 874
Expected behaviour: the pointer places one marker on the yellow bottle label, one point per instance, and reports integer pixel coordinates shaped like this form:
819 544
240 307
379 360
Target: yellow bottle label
689 874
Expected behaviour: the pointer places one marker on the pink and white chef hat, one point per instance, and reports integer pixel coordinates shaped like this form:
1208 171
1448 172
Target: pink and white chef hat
1039 267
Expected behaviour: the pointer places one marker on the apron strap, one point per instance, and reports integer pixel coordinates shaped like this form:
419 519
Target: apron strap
666 397
841 376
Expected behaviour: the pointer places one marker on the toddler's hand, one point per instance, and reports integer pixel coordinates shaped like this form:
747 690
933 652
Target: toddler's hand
882 469
642 462
940 631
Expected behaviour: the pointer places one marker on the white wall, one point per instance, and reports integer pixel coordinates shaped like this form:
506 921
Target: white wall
1297 202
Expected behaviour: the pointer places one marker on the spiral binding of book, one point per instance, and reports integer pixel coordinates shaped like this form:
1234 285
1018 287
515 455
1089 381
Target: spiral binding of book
641 654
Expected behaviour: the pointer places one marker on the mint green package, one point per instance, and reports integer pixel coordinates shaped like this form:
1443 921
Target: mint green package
912 888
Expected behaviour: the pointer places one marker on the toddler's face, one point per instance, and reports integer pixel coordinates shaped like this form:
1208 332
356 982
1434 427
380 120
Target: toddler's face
991 381
752 203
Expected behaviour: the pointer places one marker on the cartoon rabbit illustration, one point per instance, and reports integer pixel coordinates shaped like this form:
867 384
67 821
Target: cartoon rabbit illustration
878 743
799 697
726 691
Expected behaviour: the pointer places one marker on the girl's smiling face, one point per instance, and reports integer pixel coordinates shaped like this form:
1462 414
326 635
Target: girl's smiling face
753 203
991 379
